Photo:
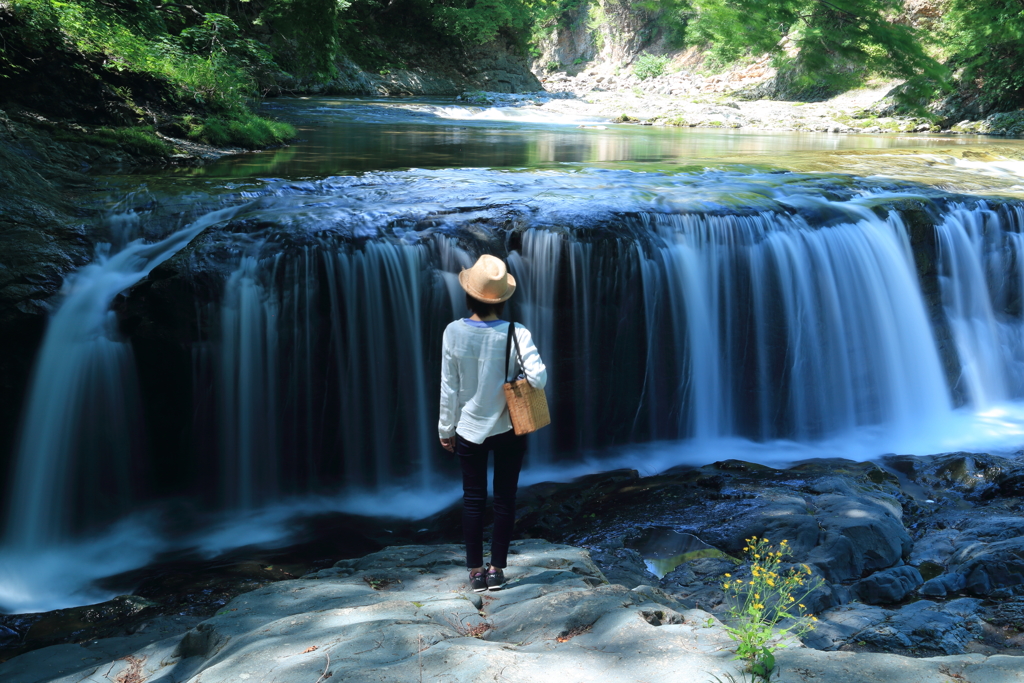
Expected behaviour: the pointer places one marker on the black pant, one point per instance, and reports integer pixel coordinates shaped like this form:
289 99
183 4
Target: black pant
509 450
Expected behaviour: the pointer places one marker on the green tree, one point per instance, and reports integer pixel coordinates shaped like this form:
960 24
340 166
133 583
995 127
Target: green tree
986 40
836 39
310 30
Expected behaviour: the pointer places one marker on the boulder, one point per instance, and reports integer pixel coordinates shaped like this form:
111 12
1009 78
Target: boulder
943 585
888 586
990 566
623 566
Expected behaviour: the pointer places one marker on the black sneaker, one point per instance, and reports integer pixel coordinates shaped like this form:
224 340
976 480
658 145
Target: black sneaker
478 581
495 579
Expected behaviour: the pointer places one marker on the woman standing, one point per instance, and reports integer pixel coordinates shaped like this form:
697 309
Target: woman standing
474 415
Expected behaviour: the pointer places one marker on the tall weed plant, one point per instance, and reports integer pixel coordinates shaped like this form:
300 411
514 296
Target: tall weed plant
769 605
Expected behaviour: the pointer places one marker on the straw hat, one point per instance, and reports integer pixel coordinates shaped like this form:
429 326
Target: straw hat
488 280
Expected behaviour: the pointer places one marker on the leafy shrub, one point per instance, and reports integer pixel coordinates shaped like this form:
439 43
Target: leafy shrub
649 66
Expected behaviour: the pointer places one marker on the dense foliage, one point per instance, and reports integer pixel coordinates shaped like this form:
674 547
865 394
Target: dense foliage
220 55
986 38
210 66
835 41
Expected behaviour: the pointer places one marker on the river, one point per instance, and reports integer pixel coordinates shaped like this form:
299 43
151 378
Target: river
257 339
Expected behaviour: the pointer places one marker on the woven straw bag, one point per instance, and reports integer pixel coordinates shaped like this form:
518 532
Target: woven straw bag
527 405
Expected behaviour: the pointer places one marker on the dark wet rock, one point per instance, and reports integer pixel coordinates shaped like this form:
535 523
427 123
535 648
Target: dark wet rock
113 616
992 566
888 586
966 476
839 626
623 566
943 585
934 547
680 578
925 625
8 636
1008 614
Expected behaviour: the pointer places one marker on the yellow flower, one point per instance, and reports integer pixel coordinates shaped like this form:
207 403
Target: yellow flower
729 575
757 596
801 606
725 585
792 599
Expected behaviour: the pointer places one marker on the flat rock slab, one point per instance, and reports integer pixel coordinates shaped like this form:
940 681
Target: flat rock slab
405 614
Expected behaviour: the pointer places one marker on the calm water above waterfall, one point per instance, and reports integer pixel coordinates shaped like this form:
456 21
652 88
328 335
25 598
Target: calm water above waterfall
260 337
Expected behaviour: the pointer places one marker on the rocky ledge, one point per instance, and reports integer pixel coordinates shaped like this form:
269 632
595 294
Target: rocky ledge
404 614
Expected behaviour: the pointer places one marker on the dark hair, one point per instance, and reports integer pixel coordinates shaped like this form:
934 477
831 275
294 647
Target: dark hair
484 309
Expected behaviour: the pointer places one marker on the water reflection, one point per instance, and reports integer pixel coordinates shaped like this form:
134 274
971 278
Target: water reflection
343 136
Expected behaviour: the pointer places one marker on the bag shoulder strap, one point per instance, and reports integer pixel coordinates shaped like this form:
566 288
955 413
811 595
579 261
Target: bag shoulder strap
509 342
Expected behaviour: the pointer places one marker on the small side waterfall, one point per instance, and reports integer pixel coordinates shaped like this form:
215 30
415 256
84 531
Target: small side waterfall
81 421
981 261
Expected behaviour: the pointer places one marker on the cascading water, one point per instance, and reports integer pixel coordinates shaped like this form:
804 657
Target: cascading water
981 261
83 398
760 325
662 316
248 389
322 373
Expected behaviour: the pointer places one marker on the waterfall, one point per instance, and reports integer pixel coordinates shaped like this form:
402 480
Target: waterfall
248 389
536 269
323 373
316 362
768 327
81 425
981 269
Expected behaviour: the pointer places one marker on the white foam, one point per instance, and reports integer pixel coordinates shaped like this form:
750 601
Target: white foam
64 575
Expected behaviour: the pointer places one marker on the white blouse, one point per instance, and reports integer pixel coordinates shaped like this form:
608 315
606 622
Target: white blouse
472 375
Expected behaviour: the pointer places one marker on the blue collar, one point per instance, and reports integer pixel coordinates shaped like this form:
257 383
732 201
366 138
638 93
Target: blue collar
484 323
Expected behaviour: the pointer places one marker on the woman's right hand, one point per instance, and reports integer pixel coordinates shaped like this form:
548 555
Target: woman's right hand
448 444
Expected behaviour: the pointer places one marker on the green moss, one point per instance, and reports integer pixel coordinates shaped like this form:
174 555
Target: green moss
140 140
242 130
677 121
625 118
